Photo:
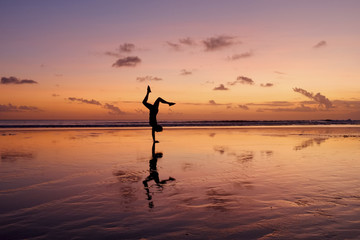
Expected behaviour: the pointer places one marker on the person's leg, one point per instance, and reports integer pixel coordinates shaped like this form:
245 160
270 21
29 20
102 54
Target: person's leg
148 105
160 100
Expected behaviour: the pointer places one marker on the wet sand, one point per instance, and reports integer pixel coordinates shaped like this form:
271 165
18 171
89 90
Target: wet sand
230 183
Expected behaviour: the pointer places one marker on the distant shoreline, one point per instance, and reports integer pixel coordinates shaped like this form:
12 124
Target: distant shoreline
135 124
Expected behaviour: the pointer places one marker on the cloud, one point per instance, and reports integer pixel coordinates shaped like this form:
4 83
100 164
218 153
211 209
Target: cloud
267 85
243 107
112 54
13 108
185 72
127 47
320 44
29 108
14 80
280 73
212 102
127 62
113 109
187 41
354 104
272 104
123 48
242 80
321 99
141 111
240 56
148 78
221 87
92 101
182 42
55 95
174 46
301 108
220 42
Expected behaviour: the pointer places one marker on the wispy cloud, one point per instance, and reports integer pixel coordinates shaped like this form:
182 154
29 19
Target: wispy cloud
349 104
220 87
123 48
113 109
212 102
127 62
242 80
14 80
240 56
185 72
113 54
55 95
301 108
181 43
244 107
127 47
14 108
187 41
141 111
320 44
321 99
92 101
174 46
148 78
272 104
220 42
267 85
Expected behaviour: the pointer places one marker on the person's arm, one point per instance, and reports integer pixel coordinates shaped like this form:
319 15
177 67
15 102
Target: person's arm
153 135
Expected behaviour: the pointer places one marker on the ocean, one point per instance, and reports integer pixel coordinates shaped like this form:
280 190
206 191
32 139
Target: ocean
122 124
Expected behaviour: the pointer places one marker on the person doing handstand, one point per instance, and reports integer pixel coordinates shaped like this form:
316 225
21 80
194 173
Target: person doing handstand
154 109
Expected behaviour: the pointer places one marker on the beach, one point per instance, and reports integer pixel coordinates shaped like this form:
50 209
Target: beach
271 182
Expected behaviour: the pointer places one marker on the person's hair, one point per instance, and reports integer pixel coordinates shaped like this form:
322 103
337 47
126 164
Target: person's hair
158 128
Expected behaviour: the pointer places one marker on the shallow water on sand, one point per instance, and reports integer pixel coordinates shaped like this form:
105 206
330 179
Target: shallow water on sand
226 183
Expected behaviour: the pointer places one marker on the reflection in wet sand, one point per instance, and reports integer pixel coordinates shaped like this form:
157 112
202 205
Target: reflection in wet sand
310 142
15 155
154 175
242 183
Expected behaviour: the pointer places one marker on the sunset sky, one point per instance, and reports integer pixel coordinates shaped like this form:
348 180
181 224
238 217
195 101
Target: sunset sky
218 60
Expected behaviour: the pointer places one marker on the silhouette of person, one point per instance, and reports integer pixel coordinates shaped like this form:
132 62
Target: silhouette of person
154 109
153 174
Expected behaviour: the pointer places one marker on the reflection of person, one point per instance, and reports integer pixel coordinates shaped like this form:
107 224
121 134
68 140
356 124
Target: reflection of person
154 175
154 109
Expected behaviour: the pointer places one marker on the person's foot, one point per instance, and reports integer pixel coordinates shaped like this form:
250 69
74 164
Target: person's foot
148 89
172 103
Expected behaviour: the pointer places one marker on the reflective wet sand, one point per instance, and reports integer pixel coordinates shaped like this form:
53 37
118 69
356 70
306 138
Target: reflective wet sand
220 183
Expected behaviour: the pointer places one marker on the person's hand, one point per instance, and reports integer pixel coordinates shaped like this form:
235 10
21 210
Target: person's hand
148 89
